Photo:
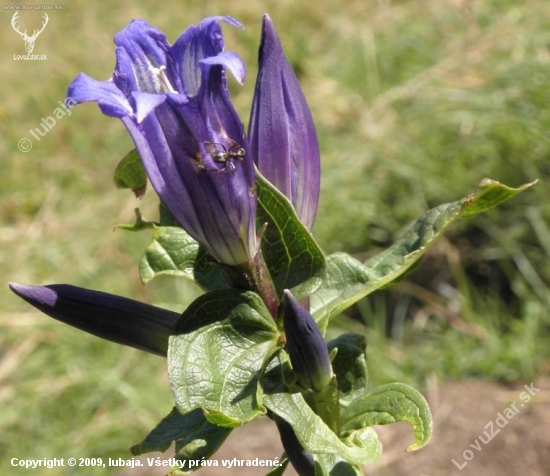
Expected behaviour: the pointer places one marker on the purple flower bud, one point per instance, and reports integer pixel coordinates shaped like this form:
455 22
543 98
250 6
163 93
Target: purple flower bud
305 345
174 101
282 134
110 317
301 459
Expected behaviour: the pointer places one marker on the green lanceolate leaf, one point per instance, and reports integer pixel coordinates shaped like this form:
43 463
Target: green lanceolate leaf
350 366
194 436
131 174
390 403
315 436
347 280
223 343
174 252
290 252
488 195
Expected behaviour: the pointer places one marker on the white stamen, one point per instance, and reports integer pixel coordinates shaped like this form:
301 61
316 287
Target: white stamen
164 81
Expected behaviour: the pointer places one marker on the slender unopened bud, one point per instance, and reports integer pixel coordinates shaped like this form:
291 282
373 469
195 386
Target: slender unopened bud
305 345
283 140
104 315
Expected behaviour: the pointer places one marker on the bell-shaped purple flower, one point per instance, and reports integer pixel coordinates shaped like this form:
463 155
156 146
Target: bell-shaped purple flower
174 101
305 345
282 134
110 317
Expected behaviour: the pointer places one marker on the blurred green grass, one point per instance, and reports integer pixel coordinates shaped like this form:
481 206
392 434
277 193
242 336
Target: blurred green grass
415 102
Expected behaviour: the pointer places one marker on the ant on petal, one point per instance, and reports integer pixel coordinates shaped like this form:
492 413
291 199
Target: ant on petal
222 155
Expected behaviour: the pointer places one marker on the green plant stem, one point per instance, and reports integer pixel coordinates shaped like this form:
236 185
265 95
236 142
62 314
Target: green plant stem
254 276
325 404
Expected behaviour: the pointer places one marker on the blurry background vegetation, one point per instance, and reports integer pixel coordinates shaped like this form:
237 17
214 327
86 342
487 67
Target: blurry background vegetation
415 102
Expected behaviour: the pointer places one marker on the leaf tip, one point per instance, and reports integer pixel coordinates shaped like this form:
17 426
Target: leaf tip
488 195
416 445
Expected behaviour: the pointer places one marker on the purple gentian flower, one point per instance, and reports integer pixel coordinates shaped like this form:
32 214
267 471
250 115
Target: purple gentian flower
282 134
174 101
305 345
104 315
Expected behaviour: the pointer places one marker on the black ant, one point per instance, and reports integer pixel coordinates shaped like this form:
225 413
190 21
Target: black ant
223 155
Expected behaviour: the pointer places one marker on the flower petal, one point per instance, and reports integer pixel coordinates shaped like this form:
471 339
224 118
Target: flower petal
232 61
145 103
193 147
141 50
199 43
109 98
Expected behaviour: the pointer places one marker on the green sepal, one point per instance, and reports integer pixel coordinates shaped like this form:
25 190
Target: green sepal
390 403
325 404
131 174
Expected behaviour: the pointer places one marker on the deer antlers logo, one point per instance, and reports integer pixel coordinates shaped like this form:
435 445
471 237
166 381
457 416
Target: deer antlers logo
29 40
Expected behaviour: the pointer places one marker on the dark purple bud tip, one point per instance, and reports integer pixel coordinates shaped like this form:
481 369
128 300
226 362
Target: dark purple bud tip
104 315
305 345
